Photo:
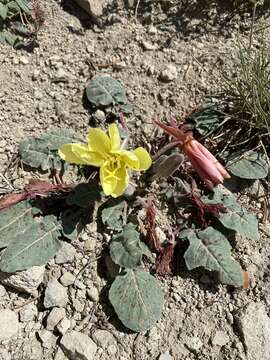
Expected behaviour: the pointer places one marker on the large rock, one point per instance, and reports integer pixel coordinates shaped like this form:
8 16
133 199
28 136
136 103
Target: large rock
104 338
9 324
93 7
28 313
78 346
26 281
55 295
66 254
54 317
254 324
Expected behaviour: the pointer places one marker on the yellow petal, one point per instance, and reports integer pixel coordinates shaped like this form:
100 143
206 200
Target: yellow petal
108 184
71 153
79 154
129 158
114 137
122 182
144 158
99 142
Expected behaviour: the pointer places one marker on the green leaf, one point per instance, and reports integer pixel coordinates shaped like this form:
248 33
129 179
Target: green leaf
24 6
248 165
41 152
71 222
13 6
105 91
206 119
14 220
11 39
3 11
125 249
236 218
112 216
137 299
33 246
211 250
84 195
20 28
54 139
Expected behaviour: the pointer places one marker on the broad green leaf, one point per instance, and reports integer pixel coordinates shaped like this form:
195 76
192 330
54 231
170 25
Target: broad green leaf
71 222
34 246
248 165
24 6
105 91
11 39
56 138
236 218
84 195
41 152
125 249
2 37
137 299
206 119
112 216
14 220
3 11
20 28
211 250
13 6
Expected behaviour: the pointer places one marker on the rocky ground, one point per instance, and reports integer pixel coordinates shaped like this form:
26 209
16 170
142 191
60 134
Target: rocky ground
169 60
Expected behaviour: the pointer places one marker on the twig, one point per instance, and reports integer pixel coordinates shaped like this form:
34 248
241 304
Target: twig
27 302
136 9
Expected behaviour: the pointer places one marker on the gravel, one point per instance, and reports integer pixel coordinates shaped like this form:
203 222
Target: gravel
55 295
9 324
78 346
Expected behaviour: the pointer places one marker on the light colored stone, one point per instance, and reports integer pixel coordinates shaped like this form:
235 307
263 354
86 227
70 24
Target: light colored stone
103 338
47 338
78 346
26 281
9 324
169 73
2 291
55 316
220 338
55 295
93 293
90 244
66 254
63 326
60 355
254 324
5 355
99 115
148 46
28 313
193 343
67 279
92 7
165 356
24 60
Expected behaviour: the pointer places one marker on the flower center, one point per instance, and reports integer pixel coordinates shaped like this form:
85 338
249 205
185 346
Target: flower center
111 166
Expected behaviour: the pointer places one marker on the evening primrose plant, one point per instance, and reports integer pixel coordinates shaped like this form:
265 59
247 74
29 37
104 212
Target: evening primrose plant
107 153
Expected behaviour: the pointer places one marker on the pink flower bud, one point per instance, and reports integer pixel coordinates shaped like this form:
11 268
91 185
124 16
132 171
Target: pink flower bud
204 163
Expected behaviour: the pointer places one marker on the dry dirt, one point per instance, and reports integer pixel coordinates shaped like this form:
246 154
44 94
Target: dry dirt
43 89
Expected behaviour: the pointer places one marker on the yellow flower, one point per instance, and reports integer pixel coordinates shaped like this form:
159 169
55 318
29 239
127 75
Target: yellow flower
105 152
